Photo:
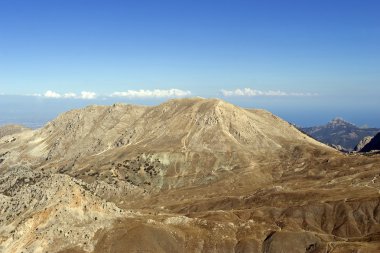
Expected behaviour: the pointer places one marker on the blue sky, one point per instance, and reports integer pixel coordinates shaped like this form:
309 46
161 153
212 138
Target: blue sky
305 60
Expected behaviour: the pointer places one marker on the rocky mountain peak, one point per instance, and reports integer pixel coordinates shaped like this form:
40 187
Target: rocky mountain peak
339 122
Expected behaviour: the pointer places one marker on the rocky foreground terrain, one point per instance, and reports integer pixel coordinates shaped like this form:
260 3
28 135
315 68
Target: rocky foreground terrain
189 175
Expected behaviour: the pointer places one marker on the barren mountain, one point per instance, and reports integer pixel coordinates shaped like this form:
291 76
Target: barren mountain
189 175
340 133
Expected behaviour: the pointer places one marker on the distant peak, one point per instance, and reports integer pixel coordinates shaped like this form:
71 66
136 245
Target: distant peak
339 121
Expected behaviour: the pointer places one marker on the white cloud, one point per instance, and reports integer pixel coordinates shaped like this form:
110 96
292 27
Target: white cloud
70 95
87 95
157 93
248 92
52 94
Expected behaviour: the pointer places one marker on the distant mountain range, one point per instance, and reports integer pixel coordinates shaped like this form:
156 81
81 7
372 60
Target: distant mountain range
340 133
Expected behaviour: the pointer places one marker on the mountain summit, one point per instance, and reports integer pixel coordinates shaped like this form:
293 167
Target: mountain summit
338 122
178 177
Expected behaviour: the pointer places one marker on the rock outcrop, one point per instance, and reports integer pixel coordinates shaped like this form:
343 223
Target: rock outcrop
362 143
373 145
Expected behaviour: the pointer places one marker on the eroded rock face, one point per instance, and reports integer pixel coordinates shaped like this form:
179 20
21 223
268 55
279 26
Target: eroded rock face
192 175
39 208
362 143
372 145
297 242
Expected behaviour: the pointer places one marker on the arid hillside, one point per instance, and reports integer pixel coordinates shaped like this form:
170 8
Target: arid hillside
188 175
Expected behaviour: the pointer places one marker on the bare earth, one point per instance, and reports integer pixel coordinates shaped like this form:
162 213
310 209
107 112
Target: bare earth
189 175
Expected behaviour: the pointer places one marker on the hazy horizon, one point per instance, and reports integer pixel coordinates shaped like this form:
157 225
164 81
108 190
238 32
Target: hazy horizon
34 112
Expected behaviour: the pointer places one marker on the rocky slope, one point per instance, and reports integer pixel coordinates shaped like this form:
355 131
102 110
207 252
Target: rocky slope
372 145
340 133
362 143
189 175
39 207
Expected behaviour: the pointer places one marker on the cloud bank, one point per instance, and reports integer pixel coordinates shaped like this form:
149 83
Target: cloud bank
52 94
82 95
157 93
248 92
87 95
